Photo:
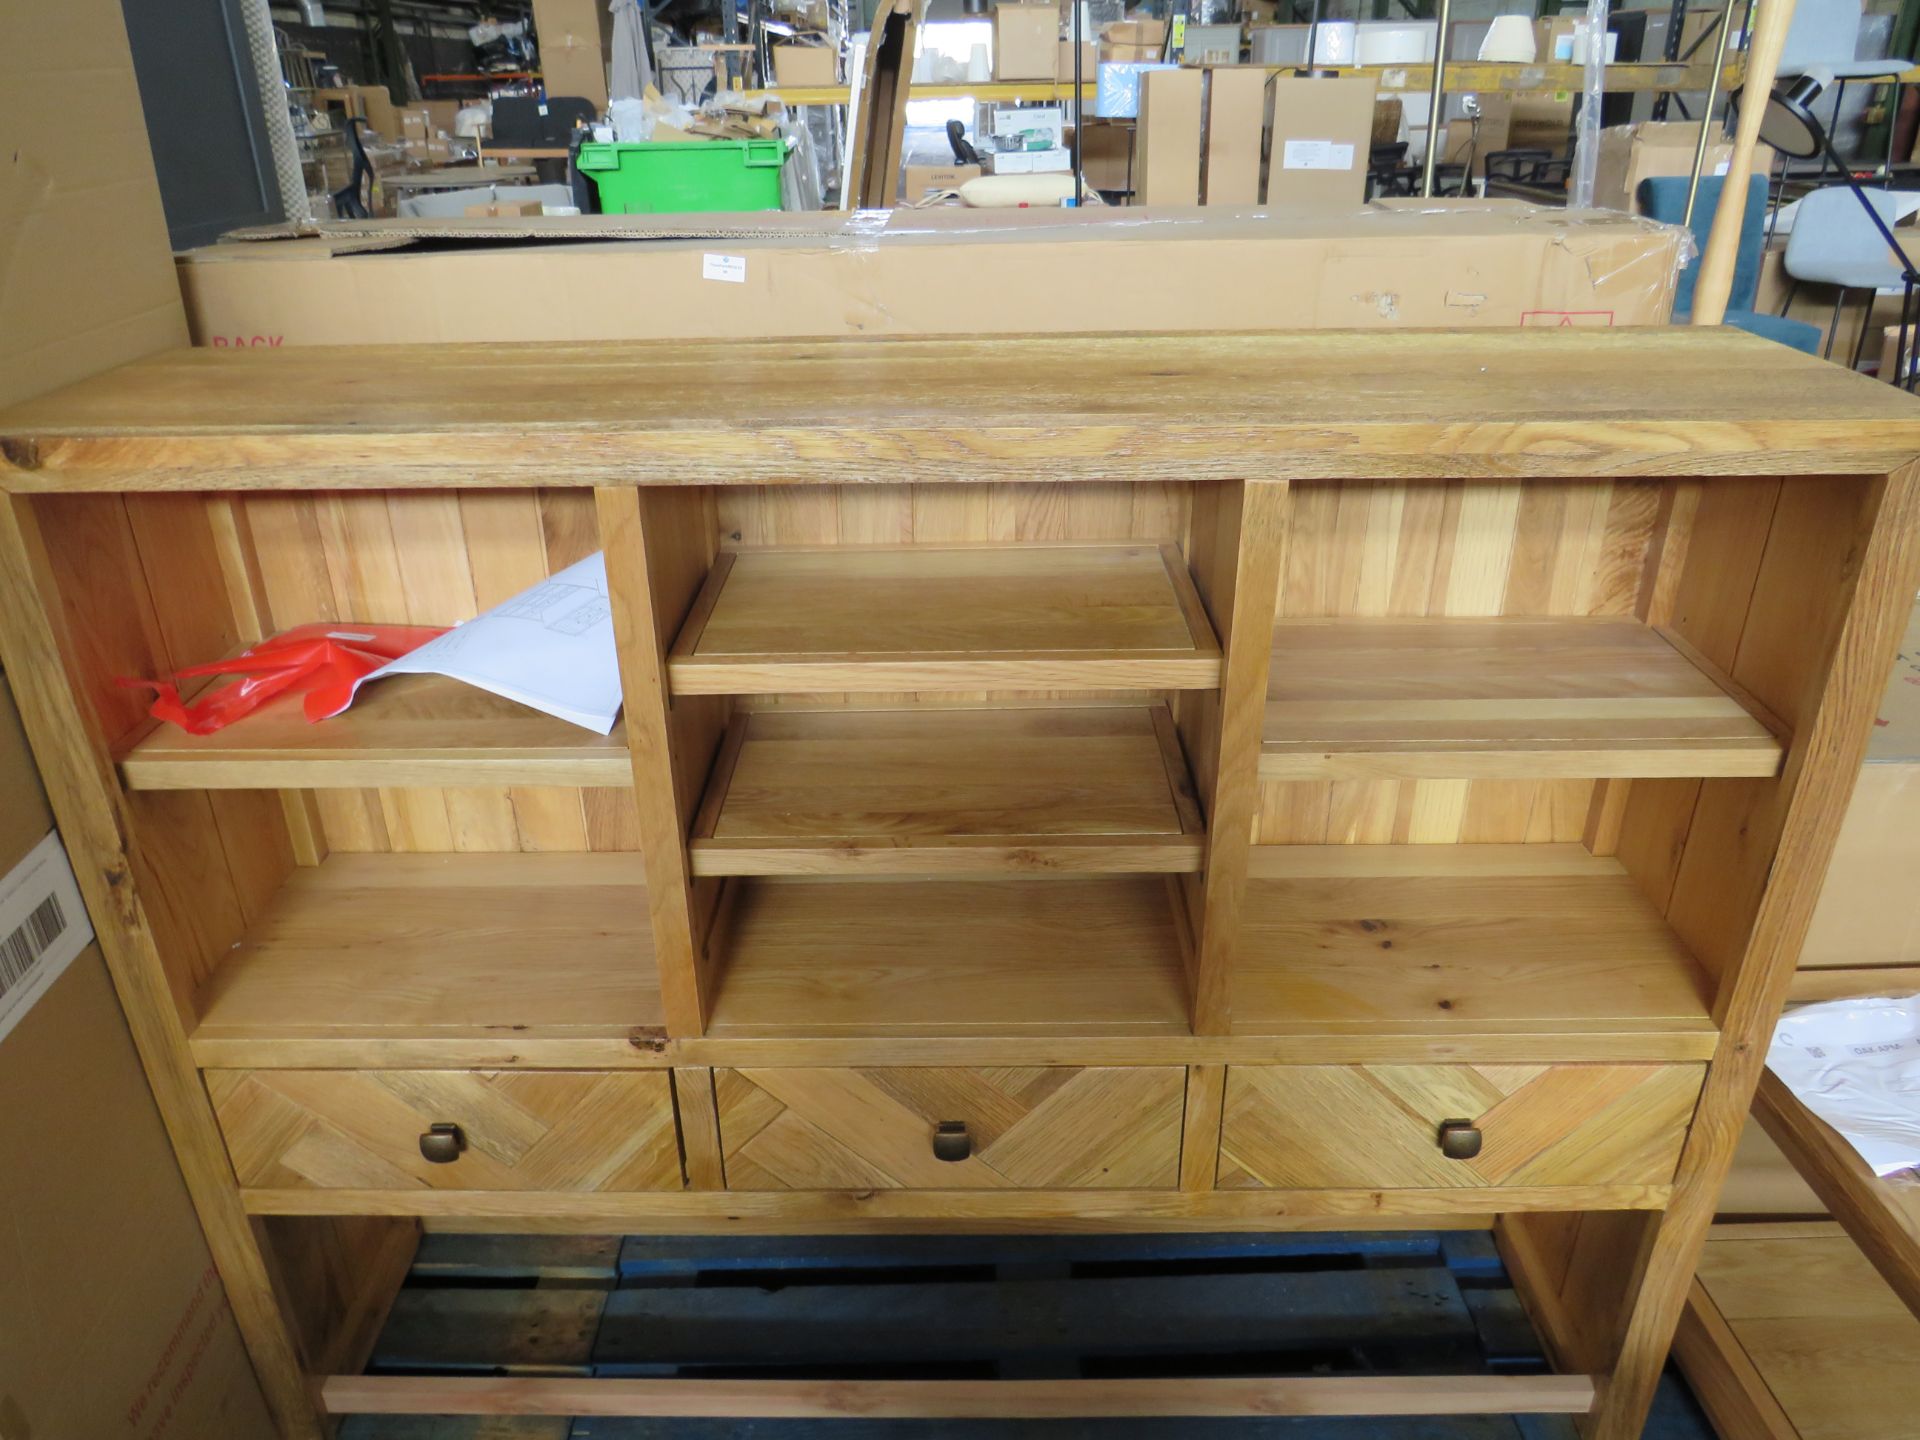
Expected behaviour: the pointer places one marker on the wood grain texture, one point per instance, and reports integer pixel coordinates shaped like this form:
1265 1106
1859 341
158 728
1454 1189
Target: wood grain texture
1238 558
1809 1339
1200 1132
699 1117
522 1130
1723 1377
1509 698
1380 939
931 618
501 951
964 957
1379 550
419 731
71 751
1335 1127
1882 1216
1822 668
1102 1127
1188 407
655 554
965 791
960 1399
400 557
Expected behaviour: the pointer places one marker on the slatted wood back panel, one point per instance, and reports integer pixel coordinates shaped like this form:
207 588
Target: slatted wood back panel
1457 548
434 558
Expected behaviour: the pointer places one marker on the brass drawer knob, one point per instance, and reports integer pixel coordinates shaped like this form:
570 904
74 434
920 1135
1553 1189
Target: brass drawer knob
1459 1139
951 1140
442 1144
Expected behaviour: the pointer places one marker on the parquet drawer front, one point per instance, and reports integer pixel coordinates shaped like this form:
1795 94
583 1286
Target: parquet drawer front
1330 1127
517 1129
1041 1127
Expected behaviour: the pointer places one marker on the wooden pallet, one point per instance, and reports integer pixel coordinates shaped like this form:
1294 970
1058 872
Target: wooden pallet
998 1307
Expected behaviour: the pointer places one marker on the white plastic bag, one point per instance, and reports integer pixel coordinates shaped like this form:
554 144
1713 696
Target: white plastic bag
1856 1064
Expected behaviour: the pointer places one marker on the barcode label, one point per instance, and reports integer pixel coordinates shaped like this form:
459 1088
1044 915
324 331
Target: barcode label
43 926
22 950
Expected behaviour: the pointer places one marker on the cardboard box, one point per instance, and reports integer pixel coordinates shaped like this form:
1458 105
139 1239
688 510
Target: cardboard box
1167 138
84 241
1030 122
1467 263
573 36
1236 131
924 180
1026 42
1388 116
1629 154
799 66
1471 140
1089 62
1106 156
112 1321
1321 132
506 207
1869 910
1135 32
377 105
1027 162
1112 54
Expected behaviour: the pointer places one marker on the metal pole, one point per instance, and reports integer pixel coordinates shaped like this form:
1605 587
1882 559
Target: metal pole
1706 118
1435 96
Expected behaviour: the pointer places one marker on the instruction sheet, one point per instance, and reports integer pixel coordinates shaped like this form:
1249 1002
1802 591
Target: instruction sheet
1856 1064
550 647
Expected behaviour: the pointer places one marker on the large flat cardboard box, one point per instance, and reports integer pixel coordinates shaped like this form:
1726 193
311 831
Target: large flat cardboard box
1869 910
1465 263
801 66
112 1321
1167 138
573 48
1631 153
1236 133
925 180
1026 42
1321 132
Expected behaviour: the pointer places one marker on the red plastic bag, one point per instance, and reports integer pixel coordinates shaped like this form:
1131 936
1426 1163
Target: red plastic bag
322 660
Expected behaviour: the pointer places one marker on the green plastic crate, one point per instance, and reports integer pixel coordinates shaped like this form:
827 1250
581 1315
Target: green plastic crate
675 177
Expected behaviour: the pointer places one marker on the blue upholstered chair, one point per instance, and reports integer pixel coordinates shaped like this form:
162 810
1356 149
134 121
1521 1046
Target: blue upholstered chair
1664 197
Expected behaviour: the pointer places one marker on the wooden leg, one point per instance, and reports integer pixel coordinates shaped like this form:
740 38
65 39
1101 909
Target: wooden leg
98 829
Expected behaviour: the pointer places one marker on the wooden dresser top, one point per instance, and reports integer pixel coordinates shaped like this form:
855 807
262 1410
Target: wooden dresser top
1550 404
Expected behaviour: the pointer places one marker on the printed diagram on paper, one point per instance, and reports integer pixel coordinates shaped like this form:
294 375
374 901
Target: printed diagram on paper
550 647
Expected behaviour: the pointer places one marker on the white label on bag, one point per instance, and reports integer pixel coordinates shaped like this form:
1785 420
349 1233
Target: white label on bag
1316 155
724 267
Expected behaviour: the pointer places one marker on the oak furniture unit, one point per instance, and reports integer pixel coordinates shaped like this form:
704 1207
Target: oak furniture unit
1179 781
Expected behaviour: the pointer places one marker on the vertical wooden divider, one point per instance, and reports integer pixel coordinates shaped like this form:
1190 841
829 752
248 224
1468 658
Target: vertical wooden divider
659 547
1236 550
98 830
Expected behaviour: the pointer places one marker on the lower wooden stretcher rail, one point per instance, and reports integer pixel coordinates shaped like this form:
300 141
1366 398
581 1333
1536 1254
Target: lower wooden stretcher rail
747 1211
961 1399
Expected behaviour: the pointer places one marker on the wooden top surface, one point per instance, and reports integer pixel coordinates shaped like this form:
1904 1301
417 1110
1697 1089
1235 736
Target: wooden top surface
1409 404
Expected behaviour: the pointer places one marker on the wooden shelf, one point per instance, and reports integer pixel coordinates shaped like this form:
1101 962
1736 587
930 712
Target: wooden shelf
928 618
365 955
950 792
407 730
1501 698
1017 958
1882 1216
1475 939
